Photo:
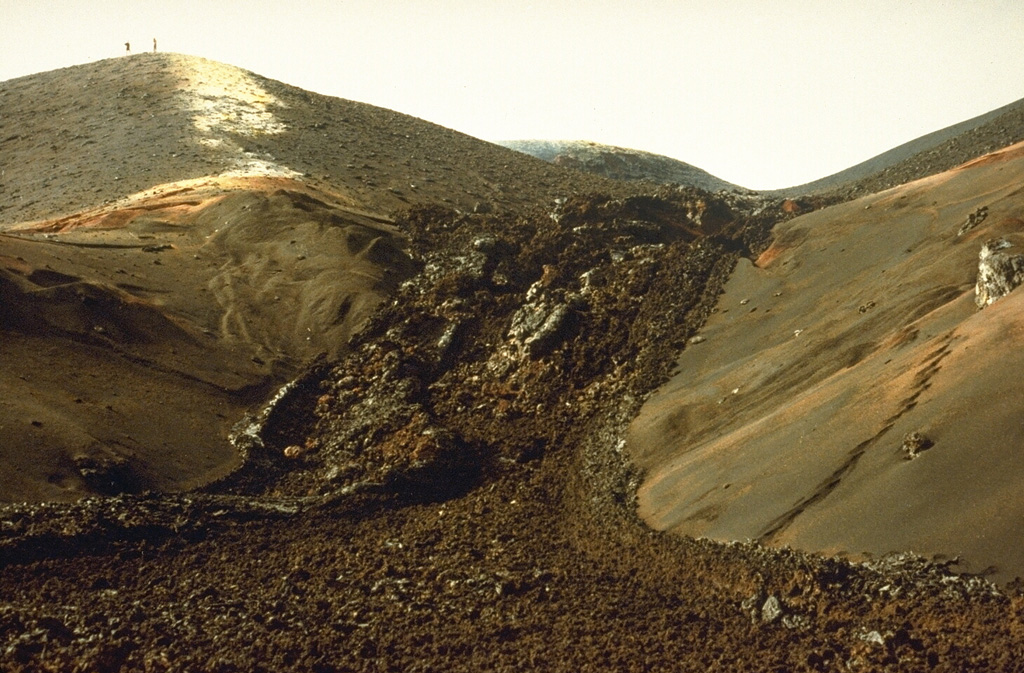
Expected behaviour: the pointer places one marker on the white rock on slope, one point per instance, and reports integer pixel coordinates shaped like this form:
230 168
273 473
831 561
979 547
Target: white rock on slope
998 272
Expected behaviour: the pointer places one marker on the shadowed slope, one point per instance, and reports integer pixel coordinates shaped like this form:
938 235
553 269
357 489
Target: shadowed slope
134 337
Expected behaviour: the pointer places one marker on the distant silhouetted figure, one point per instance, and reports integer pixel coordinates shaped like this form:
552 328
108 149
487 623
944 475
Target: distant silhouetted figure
154 45
127 48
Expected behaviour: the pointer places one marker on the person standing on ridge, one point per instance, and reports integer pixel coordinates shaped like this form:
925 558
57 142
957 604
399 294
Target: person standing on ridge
154 45
127 48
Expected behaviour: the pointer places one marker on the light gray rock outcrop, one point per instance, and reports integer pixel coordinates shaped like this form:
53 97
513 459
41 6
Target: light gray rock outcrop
998 272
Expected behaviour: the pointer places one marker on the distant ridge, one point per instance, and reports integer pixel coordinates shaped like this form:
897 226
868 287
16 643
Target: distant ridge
927 155
619 163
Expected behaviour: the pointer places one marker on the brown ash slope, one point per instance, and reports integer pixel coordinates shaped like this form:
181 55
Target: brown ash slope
448 489
87 135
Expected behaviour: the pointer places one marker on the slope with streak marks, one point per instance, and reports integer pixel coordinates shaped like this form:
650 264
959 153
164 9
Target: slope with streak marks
856 328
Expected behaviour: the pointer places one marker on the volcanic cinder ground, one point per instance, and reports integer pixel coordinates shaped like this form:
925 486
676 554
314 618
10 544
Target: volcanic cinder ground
295 383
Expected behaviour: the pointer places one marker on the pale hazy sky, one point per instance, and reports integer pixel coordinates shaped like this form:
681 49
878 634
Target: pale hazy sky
758 92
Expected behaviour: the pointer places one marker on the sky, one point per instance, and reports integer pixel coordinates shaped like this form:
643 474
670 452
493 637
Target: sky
762 93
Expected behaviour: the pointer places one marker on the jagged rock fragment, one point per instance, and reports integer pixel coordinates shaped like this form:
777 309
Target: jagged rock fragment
771 610
538 327
761 609
973 220
750 604
914 443
873 637
998 272
107 473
